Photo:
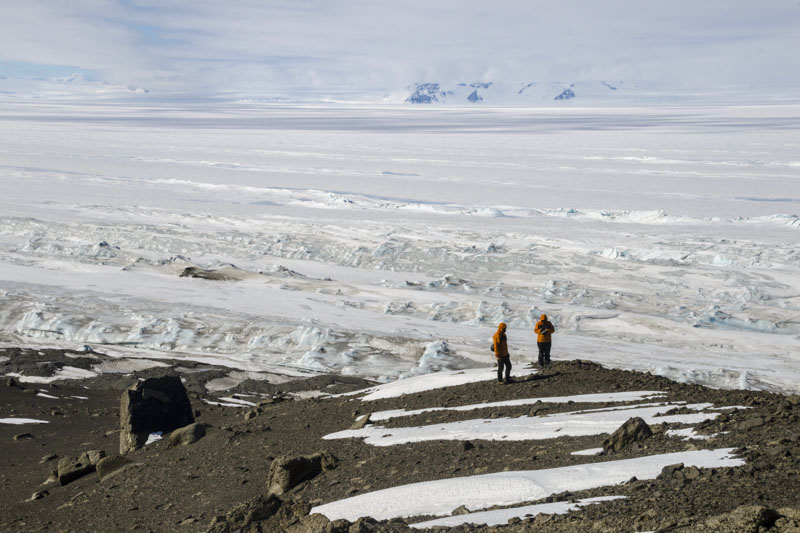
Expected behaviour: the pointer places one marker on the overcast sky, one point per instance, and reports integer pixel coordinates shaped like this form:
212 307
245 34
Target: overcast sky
272 45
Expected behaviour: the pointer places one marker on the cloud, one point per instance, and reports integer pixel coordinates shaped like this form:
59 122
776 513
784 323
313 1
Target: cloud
274 45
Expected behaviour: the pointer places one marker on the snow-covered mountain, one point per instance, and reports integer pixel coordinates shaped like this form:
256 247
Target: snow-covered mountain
510 93
75 85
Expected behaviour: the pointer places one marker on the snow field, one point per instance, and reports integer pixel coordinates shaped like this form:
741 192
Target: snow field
364 240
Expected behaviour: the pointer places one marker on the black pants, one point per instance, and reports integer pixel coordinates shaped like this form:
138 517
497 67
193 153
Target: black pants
503 362
544 352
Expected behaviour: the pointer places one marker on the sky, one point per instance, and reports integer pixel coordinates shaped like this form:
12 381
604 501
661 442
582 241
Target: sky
272 45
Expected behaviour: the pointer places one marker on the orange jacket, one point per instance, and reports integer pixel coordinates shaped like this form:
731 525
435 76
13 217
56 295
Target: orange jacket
500 344
544 328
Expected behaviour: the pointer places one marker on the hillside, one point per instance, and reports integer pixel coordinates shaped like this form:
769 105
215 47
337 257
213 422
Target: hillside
219 483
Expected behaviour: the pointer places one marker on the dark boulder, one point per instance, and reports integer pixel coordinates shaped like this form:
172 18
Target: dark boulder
153 405
635 430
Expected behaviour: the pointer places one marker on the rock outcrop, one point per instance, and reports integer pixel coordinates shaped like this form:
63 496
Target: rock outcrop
635 430
287 472
155 404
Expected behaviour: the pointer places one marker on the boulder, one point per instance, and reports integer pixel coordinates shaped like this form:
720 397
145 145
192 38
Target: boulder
361 422
70 469
11 382
38 495
365 524
671 471
287 472
47 458
226 273
109 465
751 423
153 405
635 430
187 435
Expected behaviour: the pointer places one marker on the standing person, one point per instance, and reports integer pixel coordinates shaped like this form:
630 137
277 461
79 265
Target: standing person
544 328
500 346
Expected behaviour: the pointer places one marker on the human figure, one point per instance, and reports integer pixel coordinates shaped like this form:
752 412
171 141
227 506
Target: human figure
544 328
500 345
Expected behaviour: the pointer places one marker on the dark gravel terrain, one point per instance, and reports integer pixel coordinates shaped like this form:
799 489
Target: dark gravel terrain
219 483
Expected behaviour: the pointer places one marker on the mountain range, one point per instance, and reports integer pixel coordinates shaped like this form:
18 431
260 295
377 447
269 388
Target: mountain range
494 93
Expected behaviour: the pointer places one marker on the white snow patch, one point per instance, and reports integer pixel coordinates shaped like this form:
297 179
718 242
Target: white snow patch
572 424
67 372
432 381
502 516
687 434
20 421
126 366
440 497
628 396
237 401
589 451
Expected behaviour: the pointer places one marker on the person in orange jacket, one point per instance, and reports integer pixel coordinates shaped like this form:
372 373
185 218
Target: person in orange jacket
500 347
544 328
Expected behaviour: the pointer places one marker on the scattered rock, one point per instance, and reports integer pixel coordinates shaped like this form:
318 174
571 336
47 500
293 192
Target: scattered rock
187 435
70 469
287 472
150 406
635 430
38 495
742 519
47 458
751 423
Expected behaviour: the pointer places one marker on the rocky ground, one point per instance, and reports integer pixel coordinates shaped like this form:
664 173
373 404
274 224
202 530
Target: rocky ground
220 482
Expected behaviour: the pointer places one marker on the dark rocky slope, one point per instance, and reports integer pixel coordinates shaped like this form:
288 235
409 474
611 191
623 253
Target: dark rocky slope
221 482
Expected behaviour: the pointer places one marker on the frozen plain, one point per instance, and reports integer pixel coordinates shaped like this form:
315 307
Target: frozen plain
389 241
